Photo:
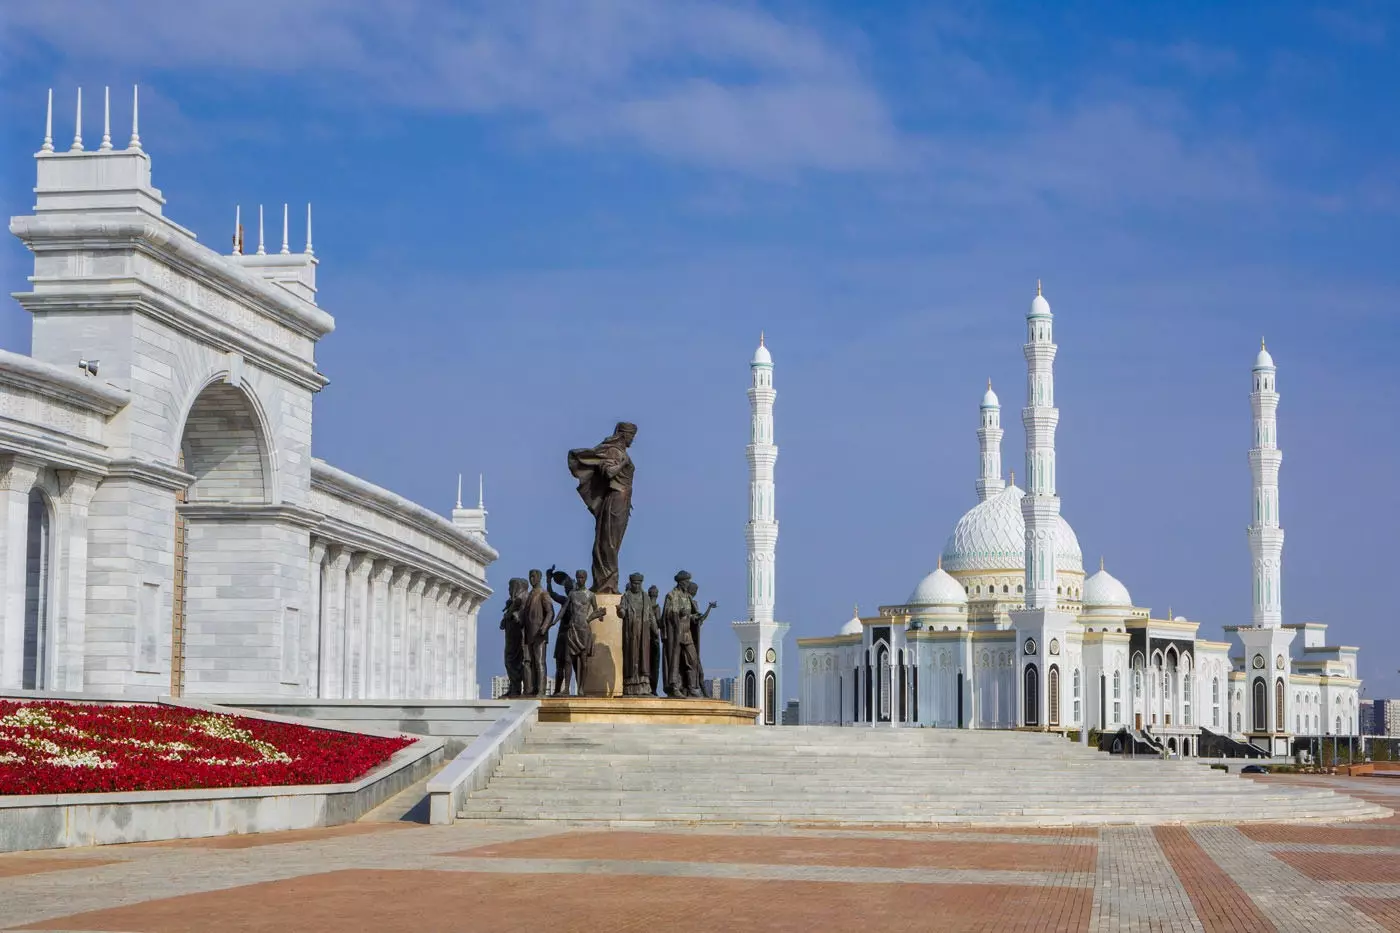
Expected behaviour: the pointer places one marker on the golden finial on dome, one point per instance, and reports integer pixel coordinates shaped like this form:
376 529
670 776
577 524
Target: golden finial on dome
1261 343
760 338
1038 292
1013 477
940 561
856 610
1100 561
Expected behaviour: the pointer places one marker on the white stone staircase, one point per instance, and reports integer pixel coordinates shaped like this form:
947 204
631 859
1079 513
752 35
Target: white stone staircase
820 774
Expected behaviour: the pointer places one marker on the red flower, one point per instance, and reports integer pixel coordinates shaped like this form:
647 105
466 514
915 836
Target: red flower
51 747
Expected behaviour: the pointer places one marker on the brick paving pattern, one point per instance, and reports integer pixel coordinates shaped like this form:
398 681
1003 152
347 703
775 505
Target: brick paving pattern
508 876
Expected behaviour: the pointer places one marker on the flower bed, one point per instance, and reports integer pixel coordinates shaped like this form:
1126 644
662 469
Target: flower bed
73 748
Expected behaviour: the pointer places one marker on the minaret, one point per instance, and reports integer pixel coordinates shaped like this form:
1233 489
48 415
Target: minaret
762 531
1040 507
989 439
1265 535
760 652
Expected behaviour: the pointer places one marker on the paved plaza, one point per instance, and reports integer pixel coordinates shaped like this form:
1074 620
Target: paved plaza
520 876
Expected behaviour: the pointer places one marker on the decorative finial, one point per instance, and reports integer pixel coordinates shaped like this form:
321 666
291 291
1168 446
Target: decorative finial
1038 292
309 250
48 126
459 490
1100 561
940 561
1169 612
78 130
135 142
760 338
106 120
284 228
989 382
856 610
238 230
1261 343
1013 477
261 251
481 491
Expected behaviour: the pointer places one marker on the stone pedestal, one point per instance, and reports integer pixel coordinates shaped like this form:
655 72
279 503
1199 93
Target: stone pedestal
645 711
605 666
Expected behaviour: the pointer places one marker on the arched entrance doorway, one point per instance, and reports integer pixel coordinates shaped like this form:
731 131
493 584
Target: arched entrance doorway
1031 684
224 449
38 635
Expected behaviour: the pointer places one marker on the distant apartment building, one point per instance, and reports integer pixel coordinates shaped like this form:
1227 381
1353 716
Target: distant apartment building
1388 716
722 688
1366 718
500 686
791 713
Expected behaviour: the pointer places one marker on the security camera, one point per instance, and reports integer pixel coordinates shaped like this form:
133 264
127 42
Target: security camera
89 366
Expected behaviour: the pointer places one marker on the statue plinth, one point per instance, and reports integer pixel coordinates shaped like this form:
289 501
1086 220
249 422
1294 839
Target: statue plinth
657 711
605 665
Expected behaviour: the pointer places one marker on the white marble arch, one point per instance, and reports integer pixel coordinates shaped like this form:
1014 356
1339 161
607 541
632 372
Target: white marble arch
191 537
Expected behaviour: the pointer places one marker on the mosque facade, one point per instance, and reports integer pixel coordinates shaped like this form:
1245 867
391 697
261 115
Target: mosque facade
1009 631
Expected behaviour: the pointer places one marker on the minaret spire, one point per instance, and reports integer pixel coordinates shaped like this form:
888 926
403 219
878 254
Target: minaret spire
459 490
989 483
285 228
106 120
1265 533
309 250
135 142
238 229
1040 507
762 455
261 251
48 126
78 127
481 490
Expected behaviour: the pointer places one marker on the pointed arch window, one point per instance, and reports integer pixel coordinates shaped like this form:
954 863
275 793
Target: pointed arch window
1279 698
1053 701
1076 684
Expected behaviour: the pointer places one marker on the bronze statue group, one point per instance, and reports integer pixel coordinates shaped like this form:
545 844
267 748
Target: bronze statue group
660 643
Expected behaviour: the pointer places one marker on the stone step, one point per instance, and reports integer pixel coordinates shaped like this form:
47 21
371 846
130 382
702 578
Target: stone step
725 774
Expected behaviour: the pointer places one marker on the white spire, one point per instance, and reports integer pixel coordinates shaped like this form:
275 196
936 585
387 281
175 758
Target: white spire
78 128
309 250
1265 533
238 229
261 251
106 120
481 491
48 126
135 142
285 249
989 434
459 490
1040 507
762 531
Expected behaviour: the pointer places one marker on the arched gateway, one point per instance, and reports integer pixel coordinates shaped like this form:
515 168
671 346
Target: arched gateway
165 527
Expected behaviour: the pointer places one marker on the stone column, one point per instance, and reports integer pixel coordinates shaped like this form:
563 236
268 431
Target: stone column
433 600
69 605
379 628
357 624
314 623
470 689
398 610
18 478
332 663
413 637
448 677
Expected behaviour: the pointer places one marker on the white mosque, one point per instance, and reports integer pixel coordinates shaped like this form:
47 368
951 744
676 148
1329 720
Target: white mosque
1008 632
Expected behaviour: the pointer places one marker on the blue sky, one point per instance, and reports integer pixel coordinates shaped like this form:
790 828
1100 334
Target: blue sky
535 219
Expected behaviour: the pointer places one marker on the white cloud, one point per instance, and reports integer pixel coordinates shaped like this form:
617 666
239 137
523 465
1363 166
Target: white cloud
730 86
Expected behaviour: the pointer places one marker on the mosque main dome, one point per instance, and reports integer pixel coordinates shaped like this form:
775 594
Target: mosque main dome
992 536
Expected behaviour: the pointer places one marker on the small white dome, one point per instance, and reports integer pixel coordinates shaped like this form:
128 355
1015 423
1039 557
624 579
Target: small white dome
761 356
990 400
1104 591
1263 360
852 626
938 589
1039 306
1181 619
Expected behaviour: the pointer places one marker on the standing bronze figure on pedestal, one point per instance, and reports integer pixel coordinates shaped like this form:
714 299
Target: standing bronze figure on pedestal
604 475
